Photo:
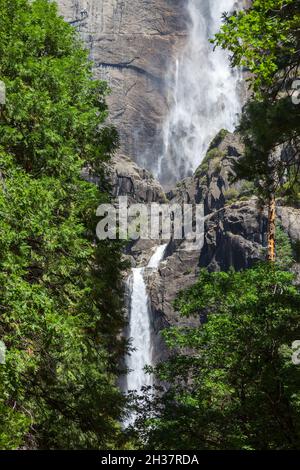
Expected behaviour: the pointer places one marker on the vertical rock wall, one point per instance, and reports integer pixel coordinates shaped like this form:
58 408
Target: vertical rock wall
131 43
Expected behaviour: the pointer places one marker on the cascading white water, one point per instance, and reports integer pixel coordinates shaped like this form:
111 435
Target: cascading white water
140 332
140 326
157 257
203 94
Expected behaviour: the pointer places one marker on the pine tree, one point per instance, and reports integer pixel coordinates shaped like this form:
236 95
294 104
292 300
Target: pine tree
264 40
60 290
232 383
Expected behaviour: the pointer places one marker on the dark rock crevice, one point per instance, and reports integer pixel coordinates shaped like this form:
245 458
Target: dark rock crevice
137 70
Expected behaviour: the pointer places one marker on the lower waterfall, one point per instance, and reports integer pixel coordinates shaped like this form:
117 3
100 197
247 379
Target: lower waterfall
140 326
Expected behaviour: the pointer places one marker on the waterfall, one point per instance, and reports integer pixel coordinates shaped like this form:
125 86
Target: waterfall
204 94
140 325
140 332
157 257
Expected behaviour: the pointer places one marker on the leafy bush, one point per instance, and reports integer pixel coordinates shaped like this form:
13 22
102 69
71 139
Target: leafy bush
60 291
232 382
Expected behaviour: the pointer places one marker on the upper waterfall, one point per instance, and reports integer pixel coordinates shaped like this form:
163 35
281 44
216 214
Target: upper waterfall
203 97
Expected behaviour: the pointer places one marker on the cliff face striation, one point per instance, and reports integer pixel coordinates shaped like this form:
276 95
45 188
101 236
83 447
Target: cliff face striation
131 43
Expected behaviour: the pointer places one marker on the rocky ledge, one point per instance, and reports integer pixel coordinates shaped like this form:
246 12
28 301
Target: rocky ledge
235 227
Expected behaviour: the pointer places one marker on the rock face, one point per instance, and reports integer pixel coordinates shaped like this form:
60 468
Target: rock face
131 43
128 179
235 227
234 237
290 220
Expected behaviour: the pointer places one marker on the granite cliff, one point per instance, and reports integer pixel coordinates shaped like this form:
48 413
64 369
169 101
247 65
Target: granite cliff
131 43
235 230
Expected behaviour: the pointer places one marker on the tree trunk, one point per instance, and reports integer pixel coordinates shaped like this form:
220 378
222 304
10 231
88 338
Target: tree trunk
272 229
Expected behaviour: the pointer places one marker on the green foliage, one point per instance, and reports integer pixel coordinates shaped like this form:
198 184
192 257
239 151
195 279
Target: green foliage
266 127
218 139
213 153
211 161
247 189
296 248
231 195
284 249
60 290
290 189
232 382
14 424
265 40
